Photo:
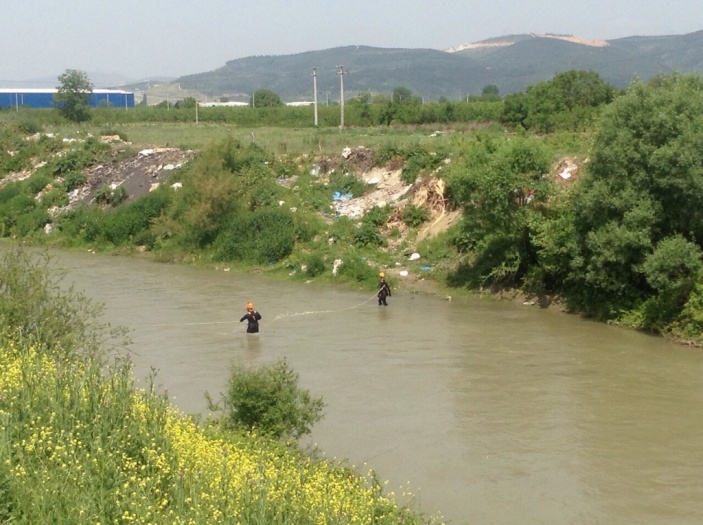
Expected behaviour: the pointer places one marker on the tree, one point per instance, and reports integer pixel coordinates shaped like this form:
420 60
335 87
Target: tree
636 213
502 189
568 101
186 103
490 92
73 94
402 95
265 98
268 400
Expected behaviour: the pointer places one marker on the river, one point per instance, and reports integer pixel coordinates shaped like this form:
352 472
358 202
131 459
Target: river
488 412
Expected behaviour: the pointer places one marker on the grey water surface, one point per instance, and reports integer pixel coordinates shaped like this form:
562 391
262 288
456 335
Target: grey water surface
489 413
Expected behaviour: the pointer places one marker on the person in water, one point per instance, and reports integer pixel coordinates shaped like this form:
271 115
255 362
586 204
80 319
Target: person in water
383 290
252 317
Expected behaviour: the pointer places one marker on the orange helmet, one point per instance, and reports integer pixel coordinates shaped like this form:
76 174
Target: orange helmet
250 306
381 274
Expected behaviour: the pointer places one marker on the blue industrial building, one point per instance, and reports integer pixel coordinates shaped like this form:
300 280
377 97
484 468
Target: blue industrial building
44 98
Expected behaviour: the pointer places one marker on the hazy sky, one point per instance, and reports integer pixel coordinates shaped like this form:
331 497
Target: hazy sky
141 39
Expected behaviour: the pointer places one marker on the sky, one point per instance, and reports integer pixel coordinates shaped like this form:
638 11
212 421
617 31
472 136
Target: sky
147 39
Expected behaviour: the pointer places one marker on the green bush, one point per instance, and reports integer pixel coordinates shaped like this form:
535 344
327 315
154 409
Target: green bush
419 161
37 182
81 224
111 196
268 400
31 222
377 216
130 224
74 180
54 197
414 216
316 265
264 236
356 269
367 234
36 308
342 229
265 194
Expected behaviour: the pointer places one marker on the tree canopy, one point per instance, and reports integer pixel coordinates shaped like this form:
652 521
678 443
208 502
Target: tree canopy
265 98
73 95
568 101
633 239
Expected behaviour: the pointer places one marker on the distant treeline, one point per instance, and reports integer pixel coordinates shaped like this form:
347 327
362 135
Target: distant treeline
567 102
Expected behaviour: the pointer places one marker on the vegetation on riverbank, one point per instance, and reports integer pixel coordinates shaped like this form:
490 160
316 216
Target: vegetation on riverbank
617 238
81 444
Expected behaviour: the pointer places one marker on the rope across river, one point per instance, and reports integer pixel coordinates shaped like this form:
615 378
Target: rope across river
279 316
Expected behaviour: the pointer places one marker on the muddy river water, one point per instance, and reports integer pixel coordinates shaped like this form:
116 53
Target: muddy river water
489 413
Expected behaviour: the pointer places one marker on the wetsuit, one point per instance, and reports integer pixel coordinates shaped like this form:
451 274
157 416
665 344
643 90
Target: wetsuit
252 318
383 291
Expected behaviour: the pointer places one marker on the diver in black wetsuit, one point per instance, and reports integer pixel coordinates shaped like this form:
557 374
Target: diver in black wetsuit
252 317
383 290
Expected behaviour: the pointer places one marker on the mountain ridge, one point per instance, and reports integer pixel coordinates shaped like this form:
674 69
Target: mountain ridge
511 62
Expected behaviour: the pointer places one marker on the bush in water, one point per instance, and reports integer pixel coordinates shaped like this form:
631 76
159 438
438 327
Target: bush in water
269 401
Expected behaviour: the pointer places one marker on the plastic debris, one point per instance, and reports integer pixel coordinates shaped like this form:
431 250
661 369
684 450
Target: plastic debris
339 196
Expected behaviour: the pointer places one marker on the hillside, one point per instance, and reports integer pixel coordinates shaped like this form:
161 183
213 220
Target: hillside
512 63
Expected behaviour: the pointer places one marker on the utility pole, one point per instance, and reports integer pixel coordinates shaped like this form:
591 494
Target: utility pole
314 92
340 72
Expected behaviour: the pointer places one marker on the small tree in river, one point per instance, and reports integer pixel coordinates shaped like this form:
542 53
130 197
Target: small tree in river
73 95
269 400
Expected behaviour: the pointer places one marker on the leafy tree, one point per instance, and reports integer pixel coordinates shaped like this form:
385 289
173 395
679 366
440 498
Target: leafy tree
268 400
490 91
502 189
186 103
568 101
73 95
636 213
402 95
265 98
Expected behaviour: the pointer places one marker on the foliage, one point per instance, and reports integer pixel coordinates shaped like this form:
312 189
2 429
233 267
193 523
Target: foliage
269 401
502 188
111 196
263 236
77 158
367 235
642 192
418 161
377 215
128 224
265 98
315 265
73 94
413 215
38 310
357 269
206 203
568 102
346 183
74 180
